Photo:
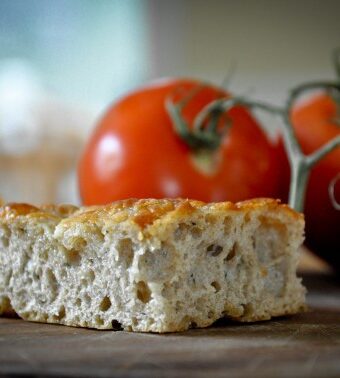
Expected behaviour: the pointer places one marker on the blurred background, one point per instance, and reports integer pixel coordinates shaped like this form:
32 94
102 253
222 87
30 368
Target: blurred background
63 62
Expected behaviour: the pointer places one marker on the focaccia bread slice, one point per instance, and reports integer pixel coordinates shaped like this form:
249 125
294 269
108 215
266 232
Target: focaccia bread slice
150 265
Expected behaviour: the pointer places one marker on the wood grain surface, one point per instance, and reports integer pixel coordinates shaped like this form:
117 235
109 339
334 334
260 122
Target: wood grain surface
304 345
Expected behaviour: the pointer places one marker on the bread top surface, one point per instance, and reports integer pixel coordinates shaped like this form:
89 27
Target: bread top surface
142 212
14 210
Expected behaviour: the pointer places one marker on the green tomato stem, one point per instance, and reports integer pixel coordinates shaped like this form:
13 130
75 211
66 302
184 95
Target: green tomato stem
323 151
298 184
331 191
203 138
298 91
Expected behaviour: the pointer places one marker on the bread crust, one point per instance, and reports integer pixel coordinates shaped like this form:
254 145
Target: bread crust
142 212
13 210
151 219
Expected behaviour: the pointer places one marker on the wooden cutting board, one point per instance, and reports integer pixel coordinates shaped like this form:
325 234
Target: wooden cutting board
305 345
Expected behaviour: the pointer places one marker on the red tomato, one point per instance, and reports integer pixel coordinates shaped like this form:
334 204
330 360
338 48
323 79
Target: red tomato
135 152
315 124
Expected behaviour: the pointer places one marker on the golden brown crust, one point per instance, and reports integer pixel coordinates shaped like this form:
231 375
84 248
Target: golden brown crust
14 210
17 209
145 212
62 211
269 203
142 212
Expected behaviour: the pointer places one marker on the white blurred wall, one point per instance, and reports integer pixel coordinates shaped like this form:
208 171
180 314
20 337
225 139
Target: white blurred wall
274 43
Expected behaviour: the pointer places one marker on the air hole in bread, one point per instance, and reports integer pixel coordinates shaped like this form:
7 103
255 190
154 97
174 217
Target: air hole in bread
5 304
196 232
210 218
253 242
269 239
125 251
8 276
63 273
193 325
99 321
51 283
180 231
24 260
143 292
62 313
167 290
73 257
214 250
87 299
247 218
105 304
192 279
37 274
79 243
248 309
200 304
44 255
116 326
232 252
20 232
178 306
184 229
186 320
216 285
90 275
4 241
5 235
227 223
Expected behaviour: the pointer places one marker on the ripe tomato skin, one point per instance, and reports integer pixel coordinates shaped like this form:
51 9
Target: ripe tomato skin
135 152
314 124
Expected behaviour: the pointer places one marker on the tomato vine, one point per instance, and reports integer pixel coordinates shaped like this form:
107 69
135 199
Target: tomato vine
300 163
